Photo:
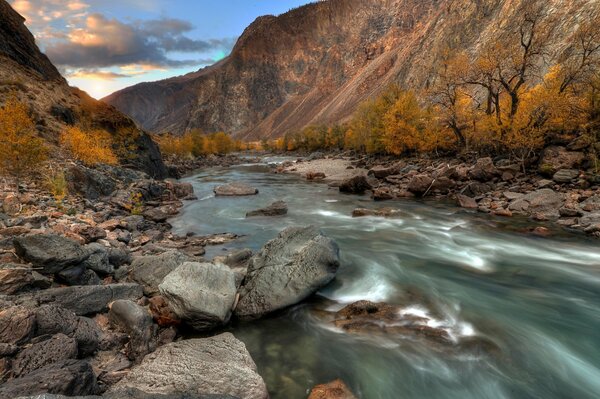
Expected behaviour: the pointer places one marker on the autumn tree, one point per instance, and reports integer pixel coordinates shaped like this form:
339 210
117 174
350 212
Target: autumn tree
91 147
405 126
21 151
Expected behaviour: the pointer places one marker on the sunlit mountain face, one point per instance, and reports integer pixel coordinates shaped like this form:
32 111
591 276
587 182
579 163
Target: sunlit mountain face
104 46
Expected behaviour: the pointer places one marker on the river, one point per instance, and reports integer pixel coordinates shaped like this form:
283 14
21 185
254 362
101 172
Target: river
534 300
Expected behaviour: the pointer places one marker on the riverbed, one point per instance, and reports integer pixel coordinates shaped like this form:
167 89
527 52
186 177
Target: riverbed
534 301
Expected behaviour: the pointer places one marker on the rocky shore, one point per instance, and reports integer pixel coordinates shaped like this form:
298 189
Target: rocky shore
560 188
99 297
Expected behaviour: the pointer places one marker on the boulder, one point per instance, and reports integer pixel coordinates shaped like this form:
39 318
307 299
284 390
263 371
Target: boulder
157 215
287 270
443 184
483 170
234 190
218 365
591 204
565 176
332 390
149 271
136 321
55 349
545 202
68 377
78 275
555 158
17 325
466 202
277 208
355 185
99 260
89 183
16 278
420 184
51 252
200 294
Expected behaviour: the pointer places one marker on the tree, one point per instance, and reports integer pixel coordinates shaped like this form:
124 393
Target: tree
405 126
91 147
21 151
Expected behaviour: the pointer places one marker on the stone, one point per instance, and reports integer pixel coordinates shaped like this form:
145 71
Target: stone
57 348
591 204
420 184
91 233
119 256
51 252
200 294
502 212
17 325
545 183
287 270
157 215
162 313
565 176
382 212
332 390
315 176
69 377
546 202
149 271
89 183
11 205
234 189
218 365
382 194
136 321
180 190
15 278
84 300
355 185
483 170
78 275
99 260
554 158
381 172
443 184
466 202
278 208
511 196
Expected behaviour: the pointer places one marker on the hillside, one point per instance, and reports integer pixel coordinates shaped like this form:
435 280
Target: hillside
29 74
314 64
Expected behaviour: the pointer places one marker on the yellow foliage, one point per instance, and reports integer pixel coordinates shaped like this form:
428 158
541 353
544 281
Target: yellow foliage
91 147
21 151
57 185
405 127
195 143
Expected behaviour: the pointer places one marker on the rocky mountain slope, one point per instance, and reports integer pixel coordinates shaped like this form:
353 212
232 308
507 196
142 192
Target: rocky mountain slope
314 64
29 74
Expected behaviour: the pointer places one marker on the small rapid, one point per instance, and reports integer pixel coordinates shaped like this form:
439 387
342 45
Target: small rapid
520 314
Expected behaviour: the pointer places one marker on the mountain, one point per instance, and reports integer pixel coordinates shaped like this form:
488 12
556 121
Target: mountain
314 64
27 73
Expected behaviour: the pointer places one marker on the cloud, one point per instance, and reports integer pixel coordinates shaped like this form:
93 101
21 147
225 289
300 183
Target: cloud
96 75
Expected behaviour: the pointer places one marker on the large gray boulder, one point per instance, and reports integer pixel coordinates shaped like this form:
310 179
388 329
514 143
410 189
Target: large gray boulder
50 252
218 365
234 190
201 294
545 202
149 271
287 270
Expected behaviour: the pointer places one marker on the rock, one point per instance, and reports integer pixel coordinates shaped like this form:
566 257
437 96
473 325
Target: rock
98 261
218 365
544 183
83 300
511 196
287 270
382 194
466 202
57 348
17 325
15 278
277 208
89 183
483 170
355 185
200 294
591 204
78 275
420 184
502 212
91 233
69 377
475 189
87 335
162 313
564 176
51 252
136 321
443 184
381 172
545 202
315 176
157 215
569 212
332 390
181 190
383 212
149 271
119 256
555 158
235 189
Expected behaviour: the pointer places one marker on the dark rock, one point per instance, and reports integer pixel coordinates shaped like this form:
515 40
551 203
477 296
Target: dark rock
443 184
355 185
51 252
235 189
420 184
69 377
475 189
89 183
137 322
277 208
99 260
119 256
287 270
17 325
78 275
555 158
220 365
57 348
483 170
200 294
87 335
149 271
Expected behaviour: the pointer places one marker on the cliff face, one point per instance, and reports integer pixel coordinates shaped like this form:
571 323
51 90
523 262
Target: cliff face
314 64
28 74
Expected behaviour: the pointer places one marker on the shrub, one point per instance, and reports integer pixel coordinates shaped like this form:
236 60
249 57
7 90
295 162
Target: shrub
90 147
57 185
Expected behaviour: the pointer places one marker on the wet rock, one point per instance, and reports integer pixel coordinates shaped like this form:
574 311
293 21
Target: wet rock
332 390
200 294
235 189
420 184
17 325
565 176
149 271
355 185
287 270
466 202
383 212
83 300
218 365
136 321
555 158
57 348
51 252
277 208
68 377
483 170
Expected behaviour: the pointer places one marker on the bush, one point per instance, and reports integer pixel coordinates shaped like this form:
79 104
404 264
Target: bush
90 147
57 185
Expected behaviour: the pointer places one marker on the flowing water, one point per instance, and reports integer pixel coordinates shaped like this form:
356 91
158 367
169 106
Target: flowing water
533 303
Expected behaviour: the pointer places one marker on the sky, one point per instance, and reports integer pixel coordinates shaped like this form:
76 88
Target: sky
102 46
